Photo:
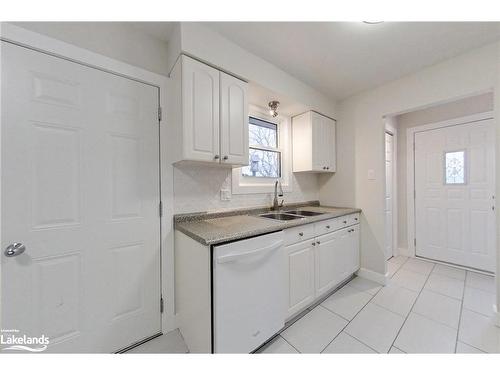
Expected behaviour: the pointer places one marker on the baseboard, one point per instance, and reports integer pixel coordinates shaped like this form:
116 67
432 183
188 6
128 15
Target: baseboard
379 278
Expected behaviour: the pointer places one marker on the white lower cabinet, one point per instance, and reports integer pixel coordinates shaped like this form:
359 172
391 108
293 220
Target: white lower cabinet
330 265
352 249
317 265
300 267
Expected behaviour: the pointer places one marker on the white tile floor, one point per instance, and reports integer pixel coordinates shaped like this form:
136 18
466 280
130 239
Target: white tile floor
425 308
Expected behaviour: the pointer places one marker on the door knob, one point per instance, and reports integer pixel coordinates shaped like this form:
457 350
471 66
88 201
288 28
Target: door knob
14 249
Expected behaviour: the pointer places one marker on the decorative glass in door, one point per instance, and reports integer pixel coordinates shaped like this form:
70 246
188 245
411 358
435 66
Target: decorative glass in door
455 167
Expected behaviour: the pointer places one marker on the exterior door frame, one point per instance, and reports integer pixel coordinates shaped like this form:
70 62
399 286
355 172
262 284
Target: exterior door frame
43 44
410 160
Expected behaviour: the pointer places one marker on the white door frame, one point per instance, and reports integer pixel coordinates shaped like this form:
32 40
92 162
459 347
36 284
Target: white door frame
410 160
54 47
394 132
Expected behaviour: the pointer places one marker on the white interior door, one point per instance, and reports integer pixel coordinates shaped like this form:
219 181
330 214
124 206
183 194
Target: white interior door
80 190
389 199
454 186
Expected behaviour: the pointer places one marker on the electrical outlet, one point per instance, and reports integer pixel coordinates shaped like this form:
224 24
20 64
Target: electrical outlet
225 195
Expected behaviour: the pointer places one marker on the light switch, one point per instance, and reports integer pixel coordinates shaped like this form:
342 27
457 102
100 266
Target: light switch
371 174
225 195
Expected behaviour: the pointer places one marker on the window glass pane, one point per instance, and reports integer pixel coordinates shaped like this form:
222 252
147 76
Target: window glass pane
455 167
262 133
263 164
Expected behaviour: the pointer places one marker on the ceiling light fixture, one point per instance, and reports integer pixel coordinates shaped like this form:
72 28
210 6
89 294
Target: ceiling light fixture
273 108
372 22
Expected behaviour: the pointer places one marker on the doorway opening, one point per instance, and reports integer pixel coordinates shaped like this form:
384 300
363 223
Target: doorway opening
445 183
390 208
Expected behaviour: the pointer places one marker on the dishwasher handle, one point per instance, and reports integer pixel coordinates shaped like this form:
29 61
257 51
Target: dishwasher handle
237 256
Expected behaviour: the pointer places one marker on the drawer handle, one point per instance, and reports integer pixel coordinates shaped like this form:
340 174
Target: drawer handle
301 234
345 221
318 242
327 227
314 243
356 218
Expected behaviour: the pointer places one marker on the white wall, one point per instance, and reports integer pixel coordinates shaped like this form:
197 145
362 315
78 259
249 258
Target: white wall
207 45
117 40
197 188
447 111
361 127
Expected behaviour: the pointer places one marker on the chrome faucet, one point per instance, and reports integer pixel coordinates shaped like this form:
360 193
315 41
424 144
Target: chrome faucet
277 205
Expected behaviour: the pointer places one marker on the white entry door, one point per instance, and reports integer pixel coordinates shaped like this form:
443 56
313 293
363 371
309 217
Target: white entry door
80 190
389 182
454 186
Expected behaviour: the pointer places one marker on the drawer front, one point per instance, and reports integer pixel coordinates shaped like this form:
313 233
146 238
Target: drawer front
353 219
344 221
300 233
327 226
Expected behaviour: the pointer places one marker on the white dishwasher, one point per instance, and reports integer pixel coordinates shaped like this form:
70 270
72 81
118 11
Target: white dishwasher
249 292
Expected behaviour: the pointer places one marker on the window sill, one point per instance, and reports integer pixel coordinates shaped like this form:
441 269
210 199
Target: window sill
257 187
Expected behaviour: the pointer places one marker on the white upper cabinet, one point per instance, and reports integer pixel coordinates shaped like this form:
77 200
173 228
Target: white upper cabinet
313 143
208 112
233 120
200 110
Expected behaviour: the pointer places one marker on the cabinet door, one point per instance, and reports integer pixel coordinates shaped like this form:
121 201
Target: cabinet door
352 249
233 120
329 262
300 267
200 111
330 144
318 143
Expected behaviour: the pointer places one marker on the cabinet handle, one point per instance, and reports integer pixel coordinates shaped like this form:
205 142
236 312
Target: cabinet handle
327 167
225 157
318 242
301 234
314 243
356 218
345 221
327 227
216 157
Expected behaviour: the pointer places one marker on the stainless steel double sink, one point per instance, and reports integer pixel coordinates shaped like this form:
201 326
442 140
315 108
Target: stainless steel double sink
290 215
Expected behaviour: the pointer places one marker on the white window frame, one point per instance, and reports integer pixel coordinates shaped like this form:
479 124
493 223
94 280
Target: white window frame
259 185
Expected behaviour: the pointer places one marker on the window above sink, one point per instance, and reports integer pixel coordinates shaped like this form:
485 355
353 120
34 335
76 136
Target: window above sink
270 149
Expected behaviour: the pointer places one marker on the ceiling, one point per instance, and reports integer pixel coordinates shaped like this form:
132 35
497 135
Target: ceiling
344 58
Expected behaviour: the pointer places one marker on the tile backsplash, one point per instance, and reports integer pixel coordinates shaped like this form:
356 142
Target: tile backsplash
197 188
